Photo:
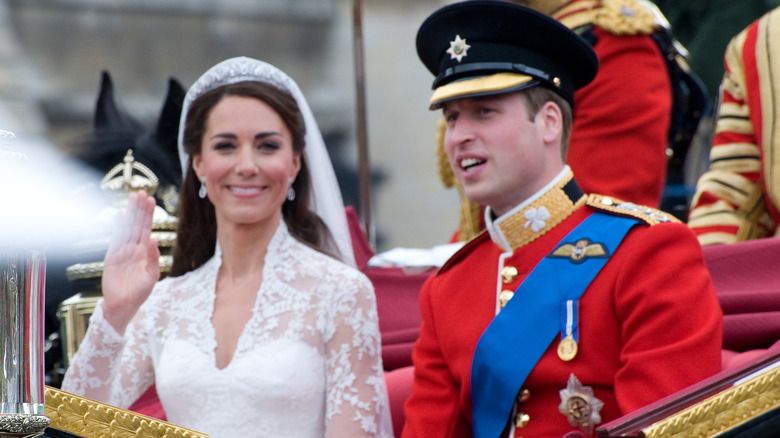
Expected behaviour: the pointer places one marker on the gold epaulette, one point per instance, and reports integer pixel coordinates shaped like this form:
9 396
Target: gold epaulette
649 215
620 17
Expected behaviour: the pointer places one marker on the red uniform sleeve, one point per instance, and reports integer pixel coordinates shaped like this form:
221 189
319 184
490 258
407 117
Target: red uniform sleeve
433 409
621 122
649 300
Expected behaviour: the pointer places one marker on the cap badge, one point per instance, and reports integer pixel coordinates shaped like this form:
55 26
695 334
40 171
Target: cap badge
458 48
580 406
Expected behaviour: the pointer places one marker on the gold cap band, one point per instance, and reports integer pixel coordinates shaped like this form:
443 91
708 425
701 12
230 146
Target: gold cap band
479 85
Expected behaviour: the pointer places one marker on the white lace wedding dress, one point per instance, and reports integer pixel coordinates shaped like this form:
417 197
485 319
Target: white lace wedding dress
308 363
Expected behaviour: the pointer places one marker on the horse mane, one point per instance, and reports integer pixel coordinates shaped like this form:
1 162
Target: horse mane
115 131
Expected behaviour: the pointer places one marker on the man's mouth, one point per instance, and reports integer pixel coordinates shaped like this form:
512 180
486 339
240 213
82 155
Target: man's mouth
468 163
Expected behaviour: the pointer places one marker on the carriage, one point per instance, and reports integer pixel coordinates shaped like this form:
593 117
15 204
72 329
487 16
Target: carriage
744 397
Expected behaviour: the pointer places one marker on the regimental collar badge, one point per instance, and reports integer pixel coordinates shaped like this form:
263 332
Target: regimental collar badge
580 251
458 48
580 406
536 218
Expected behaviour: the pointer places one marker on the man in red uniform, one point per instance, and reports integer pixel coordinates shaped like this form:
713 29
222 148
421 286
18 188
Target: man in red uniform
570 310
619 139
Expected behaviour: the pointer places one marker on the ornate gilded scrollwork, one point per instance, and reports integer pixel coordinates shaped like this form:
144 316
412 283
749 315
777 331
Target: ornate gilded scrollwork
90 419
723 411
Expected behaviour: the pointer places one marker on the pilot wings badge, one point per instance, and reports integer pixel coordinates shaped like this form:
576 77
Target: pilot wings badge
580 251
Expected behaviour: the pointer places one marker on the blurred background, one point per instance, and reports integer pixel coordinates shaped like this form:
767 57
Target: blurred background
52 53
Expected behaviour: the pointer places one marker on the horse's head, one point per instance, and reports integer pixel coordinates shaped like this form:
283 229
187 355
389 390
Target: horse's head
115 132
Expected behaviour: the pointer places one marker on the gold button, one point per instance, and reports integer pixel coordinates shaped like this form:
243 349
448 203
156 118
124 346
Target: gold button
523 396
521 420
504 297
508 274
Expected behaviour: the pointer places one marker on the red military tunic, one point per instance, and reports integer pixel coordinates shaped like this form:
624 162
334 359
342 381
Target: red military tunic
621 124
649 324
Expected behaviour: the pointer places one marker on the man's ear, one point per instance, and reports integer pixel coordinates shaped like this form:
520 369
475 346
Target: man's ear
552 119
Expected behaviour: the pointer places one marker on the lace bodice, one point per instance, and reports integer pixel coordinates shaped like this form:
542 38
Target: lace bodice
308 363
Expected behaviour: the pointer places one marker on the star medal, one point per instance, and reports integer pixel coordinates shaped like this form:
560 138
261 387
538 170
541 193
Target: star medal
458 48
580 406
567 347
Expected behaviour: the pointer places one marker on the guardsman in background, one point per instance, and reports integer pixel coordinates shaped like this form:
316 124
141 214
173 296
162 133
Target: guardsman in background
572 309
626 134
738 198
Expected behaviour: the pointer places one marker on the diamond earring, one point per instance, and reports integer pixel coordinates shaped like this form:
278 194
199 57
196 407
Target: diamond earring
291 191
202 192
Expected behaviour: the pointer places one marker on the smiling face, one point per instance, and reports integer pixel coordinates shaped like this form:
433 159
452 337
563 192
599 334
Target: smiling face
247 160
499 153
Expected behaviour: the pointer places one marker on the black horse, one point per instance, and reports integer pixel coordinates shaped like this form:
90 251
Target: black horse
114 132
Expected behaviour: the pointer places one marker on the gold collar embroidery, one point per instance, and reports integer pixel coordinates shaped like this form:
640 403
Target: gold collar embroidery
540 216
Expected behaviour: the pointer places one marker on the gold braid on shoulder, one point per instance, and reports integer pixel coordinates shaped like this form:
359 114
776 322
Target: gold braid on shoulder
626 17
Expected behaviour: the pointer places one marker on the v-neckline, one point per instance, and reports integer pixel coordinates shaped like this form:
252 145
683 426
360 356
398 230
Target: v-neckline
210 322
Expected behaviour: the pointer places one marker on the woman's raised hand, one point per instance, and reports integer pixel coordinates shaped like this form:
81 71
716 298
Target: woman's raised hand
132 262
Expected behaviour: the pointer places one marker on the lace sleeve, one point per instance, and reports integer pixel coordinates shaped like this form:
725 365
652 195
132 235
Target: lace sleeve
109 367
357 403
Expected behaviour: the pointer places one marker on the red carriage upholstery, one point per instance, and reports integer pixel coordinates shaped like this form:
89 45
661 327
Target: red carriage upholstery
747 279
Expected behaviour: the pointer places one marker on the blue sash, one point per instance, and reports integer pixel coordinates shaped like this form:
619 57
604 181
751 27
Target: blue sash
520 334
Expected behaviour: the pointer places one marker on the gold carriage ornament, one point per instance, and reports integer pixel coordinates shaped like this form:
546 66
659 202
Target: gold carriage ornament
123 179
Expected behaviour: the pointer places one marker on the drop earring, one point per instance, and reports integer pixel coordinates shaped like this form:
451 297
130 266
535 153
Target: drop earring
291 191
202 192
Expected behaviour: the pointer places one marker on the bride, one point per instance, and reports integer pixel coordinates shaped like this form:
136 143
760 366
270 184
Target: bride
259 330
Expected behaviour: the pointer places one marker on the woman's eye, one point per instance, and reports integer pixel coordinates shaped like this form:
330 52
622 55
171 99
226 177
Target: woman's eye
223 145
268 145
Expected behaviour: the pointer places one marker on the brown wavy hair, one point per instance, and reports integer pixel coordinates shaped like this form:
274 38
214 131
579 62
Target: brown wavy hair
196 234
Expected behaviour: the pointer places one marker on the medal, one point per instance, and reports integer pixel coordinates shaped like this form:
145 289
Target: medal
580 406
567 348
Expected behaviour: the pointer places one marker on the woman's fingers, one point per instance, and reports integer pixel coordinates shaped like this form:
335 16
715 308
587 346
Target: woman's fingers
134 224
121 222
135 228
149 217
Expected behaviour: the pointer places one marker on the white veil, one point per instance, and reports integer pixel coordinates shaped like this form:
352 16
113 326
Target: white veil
326 200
